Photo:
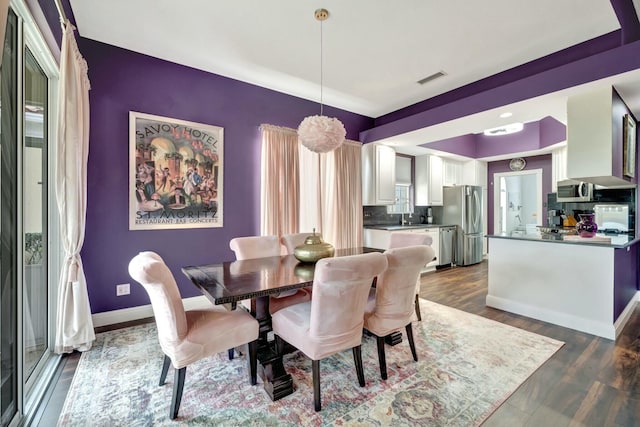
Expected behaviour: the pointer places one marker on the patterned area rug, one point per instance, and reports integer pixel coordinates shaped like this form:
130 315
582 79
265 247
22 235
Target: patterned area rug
468 366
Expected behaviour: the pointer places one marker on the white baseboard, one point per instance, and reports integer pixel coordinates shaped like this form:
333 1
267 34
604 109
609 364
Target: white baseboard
589 326
141 312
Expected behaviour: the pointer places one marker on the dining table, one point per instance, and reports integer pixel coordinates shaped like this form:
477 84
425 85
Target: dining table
257 279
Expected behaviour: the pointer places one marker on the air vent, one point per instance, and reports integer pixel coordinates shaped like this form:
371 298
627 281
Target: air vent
432 77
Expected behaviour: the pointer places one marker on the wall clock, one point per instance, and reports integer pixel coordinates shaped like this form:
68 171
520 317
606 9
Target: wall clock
517 164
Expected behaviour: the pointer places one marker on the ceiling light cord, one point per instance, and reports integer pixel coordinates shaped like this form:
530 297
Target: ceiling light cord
321 68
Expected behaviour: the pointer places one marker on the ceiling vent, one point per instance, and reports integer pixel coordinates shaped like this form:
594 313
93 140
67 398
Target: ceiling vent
432 77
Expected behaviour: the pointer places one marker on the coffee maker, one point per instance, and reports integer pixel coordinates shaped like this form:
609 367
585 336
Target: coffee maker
555 217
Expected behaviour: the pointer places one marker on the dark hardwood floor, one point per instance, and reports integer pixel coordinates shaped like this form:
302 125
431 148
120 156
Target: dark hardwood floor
590 381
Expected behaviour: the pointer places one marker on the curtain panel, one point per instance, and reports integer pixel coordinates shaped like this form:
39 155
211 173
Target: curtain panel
279 185
74 327
326 188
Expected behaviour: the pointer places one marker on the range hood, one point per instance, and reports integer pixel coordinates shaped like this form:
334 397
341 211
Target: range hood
595 145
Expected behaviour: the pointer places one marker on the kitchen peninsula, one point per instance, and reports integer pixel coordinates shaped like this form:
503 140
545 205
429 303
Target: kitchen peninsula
589 287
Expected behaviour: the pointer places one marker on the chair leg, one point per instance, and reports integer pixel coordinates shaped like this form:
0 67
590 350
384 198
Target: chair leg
178 384
315 367
417 304
165 368
357 358
230 353
412 344
382 359
253 362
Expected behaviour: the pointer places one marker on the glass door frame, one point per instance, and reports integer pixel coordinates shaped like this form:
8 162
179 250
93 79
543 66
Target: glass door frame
30 393
497 179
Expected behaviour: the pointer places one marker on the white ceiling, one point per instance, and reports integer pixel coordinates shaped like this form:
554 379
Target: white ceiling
374 51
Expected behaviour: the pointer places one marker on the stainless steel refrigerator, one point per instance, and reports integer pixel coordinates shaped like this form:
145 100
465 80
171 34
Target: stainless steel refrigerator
463 208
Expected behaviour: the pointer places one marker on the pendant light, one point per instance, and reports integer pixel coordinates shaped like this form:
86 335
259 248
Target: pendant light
321 134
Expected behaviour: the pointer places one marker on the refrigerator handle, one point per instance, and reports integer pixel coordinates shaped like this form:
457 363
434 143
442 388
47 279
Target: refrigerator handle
478 208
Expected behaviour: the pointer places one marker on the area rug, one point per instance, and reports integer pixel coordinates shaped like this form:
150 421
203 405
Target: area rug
468 366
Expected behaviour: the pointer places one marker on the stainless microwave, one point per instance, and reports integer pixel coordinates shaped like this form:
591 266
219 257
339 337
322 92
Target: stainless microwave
575 191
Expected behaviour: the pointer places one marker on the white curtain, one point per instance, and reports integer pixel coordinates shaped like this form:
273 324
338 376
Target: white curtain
74 327
331 188
279 184
302 190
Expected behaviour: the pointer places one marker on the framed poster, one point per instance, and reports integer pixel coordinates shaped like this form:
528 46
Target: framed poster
175 173
629 146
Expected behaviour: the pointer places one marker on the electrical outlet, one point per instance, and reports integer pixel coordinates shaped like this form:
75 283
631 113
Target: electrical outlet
122 289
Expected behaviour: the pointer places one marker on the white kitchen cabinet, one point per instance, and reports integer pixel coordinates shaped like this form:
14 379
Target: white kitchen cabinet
474 172
452 172
429 180
434 232
378 175
379 239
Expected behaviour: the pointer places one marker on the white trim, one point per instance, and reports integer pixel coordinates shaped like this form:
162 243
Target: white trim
496 194
142 312
582 324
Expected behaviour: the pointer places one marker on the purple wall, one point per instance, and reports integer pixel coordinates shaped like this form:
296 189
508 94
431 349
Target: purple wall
123 81
534 162
625 278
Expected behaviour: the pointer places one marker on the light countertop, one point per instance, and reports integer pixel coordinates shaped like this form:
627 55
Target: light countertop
617 241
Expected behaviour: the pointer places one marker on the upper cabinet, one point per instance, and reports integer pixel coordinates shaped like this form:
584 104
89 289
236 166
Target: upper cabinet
452 170
595 138
378 175
429 180
474 172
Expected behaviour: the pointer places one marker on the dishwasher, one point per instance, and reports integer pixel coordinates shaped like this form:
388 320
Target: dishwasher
447 239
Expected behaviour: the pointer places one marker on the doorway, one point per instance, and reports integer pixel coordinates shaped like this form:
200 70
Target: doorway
517 202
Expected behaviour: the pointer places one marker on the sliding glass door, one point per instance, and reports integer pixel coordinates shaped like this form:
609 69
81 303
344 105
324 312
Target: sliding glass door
34 214
27 220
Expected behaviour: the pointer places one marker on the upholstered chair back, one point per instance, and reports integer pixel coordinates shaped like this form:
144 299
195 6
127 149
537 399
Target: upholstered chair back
291 241
400 239
395 289
255 247
152 273
340 290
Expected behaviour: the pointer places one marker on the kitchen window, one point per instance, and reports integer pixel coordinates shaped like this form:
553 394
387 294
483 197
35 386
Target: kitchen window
404 186
404 200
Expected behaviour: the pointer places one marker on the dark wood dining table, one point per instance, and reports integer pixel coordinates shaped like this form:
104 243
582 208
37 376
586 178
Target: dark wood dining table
257 280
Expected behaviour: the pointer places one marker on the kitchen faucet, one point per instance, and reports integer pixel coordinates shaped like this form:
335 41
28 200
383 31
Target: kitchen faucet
404 221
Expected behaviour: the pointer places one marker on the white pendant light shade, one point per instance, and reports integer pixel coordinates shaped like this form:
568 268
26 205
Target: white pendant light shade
321 134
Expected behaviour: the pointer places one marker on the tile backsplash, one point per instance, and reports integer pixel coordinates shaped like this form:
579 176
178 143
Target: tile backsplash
377 215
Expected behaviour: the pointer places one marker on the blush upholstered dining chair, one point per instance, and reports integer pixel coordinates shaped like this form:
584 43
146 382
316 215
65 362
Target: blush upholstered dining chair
332 321
266 246
401 239
390 306
186 337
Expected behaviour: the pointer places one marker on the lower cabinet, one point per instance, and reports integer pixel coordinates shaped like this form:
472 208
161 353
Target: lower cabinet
379 239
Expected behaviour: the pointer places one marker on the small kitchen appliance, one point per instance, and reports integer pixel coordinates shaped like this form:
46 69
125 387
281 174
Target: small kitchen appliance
574 191
555 217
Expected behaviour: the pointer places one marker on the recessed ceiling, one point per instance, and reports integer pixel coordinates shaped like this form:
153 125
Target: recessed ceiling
375 51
